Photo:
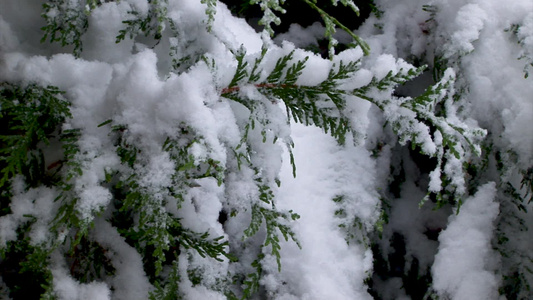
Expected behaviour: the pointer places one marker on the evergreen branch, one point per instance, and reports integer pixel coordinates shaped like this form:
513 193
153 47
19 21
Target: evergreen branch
526 53
412 119
228 91
169 290
252 283
279 69
66 22
330 22
210 11
241 72
67 217
268 7
527 184
156 226
29 116
348 3
272 226
154 222
153 23
303 101
271 219
213 248
255 74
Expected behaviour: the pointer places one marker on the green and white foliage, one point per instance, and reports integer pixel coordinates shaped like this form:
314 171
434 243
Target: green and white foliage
269 7
522 32
331 24
487 55
148 19
66 22
155 149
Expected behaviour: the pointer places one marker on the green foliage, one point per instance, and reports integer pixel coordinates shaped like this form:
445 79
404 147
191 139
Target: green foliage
151 23
432 10
321 105
375 9
69 139
92 4
155 227
210 11
514 198
169 290
252 281
274 221
527 184
428 121
354 229
66 22
269 7
434 119
214 248
516 285
187 166
183 50
30 116
145 211
89 261
67 216
526 54
332 23
28 268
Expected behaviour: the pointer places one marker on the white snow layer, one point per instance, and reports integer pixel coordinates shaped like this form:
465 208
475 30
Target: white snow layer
326 267
464 264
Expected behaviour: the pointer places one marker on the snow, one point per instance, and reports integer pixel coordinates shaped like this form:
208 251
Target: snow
132 83
316 73
327 266
37 202
9 40
382 66
66 288
462 268
99 41
130 281
469 21
302 37
140 6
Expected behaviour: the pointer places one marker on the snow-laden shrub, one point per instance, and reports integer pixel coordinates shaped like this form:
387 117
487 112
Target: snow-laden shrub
165 150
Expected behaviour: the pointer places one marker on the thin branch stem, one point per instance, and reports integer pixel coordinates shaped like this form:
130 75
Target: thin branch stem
364 46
